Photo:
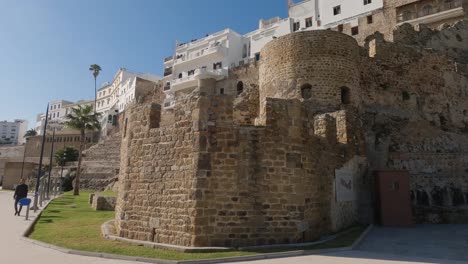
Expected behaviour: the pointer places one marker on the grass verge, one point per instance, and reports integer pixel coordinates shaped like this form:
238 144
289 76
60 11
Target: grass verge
69 222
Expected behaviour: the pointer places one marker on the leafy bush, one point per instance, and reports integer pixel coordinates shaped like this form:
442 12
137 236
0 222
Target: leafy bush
67 183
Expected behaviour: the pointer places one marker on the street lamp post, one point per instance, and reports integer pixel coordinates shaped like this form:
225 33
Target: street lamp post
64 158
50 163
39 172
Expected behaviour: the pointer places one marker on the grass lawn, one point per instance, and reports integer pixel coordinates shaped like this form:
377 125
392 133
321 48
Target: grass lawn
70 222
108 193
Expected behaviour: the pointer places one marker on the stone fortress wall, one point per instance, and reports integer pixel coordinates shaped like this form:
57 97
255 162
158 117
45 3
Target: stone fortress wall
286 153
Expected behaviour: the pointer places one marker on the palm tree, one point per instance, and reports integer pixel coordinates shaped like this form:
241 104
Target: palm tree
95 69
82 119
30 133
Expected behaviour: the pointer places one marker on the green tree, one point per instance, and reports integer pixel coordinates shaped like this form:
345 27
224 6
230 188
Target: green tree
95 69
65 155
30 133
83 119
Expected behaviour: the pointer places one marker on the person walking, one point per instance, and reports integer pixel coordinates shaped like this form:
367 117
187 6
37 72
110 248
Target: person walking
21 192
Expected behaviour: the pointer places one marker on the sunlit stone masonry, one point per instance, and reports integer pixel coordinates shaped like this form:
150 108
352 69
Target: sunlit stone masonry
284 149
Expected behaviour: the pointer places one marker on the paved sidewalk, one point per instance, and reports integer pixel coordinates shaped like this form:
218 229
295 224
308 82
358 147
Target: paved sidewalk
15 250
431 241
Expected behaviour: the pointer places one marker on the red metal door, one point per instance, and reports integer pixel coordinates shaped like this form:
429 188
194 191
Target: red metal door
393 198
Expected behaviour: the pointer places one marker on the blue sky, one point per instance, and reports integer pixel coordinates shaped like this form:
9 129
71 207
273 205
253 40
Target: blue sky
46 46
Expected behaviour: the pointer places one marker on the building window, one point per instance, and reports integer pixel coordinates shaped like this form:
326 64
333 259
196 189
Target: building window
308 22
345 95
406 15
217 65
296 26
366 2
370 19
340 28
306 91
191 72
180 75
240 87
257 56
221 90
427 10
354 31
337 10
244 51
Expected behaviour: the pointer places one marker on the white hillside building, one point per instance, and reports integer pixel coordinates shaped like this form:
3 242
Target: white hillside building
121 91
114 97
58 111
213 55
12 133
336 12
208 57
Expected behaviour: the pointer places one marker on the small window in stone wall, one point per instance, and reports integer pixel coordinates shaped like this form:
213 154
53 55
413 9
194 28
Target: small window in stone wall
345 95
221 90
354 31
340 28
240 87
155 116
125 127
306 91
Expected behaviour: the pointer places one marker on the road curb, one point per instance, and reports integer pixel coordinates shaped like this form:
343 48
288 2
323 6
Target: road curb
359 240
30 228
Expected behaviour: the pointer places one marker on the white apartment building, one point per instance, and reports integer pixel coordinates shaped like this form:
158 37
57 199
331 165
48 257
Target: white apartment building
208 57
113 97
121 91
12 133
213 55
58 110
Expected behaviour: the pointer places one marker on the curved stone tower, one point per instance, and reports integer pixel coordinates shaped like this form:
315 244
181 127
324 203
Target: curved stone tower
317 66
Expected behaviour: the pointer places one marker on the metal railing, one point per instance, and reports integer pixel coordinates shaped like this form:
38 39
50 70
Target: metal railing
47 190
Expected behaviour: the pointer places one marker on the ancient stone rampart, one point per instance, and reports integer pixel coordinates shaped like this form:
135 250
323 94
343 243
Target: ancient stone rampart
312 65
289 156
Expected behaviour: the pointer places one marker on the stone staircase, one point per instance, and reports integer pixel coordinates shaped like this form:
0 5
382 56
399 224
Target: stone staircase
101 164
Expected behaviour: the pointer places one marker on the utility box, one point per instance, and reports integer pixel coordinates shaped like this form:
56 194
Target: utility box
393 198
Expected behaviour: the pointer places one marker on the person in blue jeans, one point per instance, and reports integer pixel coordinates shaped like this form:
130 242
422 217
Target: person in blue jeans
21 192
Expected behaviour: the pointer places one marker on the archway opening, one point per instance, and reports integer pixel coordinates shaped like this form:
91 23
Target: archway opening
240 87
345 95
306 91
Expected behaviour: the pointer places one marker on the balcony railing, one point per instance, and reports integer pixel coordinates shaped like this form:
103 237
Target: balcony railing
167 71
202 73
199 41
201 53
168 58
427 10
